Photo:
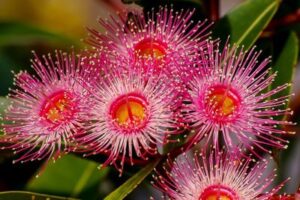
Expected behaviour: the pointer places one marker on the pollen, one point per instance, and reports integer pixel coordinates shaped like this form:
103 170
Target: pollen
222 102
149 48
218 192
129 111
58 108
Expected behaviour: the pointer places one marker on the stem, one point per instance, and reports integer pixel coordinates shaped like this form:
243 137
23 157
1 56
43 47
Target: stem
214 7
287 20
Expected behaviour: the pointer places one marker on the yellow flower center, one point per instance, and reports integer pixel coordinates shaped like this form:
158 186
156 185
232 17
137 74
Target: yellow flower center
58 108
221 102
218 192
149 48
217 197
129 111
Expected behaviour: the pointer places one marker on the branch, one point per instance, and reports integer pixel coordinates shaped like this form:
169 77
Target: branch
213 7
290 19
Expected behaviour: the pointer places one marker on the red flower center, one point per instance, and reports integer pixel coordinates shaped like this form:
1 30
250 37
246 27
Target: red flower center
149 48
218 192
221 102
129 111
58 108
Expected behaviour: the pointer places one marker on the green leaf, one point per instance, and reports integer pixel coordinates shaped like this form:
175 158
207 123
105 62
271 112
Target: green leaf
69 175
4 102
22 195
285 63
122 191
16 33
245 23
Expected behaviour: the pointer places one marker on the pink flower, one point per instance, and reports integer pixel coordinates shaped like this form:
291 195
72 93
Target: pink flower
47 109
217 176
167 38
228 96
133 113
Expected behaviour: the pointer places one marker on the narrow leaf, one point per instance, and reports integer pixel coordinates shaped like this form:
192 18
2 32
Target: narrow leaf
4 102
245 23
23 195
69 175
285 66
286 62
122 191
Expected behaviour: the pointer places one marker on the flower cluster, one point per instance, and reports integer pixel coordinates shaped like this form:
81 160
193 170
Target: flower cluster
147 82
